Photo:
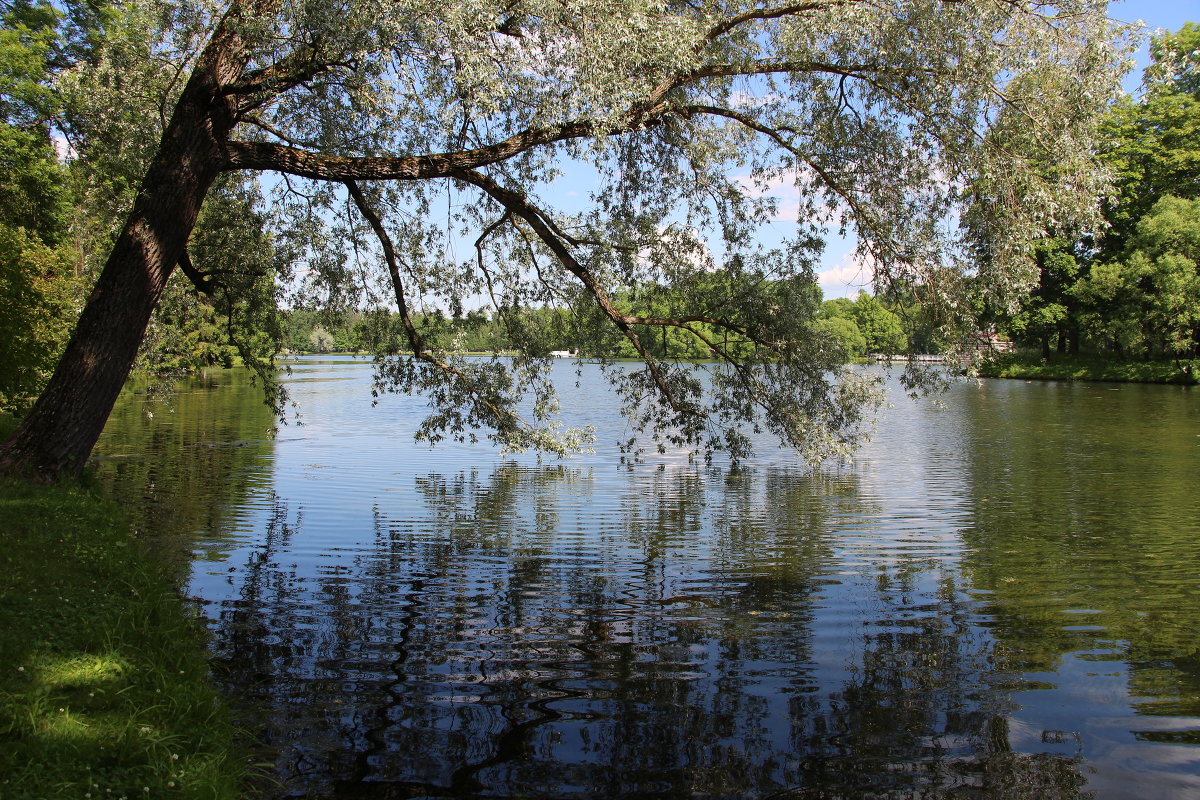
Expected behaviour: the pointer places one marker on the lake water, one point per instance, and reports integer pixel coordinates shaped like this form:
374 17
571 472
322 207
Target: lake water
998 598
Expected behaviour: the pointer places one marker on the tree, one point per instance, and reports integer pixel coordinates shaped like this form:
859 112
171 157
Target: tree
36 305
1154 141
845 331
1129 289
373 111
1087 286
1151 292
321 340
864 325
880 327
1140 294
1048 314
37 280
222 302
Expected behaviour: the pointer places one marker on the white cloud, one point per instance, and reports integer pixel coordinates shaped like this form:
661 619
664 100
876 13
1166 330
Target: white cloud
845 278
782 188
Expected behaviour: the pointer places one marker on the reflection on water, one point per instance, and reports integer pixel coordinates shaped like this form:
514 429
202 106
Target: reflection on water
186 459
997 599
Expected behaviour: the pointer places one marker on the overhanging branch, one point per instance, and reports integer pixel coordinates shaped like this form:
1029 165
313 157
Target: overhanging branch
753 15
504 418
518 206
323 166
202 282
651 111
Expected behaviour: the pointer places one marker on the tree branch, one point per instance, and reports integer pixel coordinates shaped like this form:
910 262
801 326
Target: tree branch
519 207
652 105
728 25
862 214
487 275
291 71
410 329
202 282
722 351
271 129
393 265
322 166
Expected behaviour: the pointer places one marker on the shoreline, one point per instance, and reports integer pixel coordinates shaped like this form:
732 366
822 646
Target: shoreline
1088 368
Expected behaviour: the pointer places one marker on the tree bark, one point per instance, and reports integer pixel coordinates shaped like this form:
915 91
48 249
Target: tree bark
58 435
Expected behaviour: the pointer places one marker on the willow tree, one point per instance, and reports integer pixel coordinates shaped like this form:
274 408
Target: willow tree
684 112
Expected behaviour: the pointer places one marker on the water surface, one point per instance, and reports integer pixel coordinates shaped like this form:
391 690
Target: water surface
999 597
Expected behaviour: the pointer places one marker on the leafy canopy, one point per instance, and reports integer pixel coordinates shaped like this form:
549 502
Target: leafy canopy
1129 288
1153 142
379 113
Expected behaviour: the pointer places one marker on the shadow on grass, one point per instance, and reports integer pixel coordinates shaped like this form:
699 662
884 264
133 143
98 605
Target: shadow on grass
104 688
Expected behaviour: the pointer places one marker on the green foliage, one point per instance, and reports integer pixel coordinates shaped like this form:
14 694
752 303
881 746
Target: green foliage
37 305
927 328
70 67
1046 317
845 332
233 313
38 288
104 691
880 329
580 328
323 331
320 340
1135 292
1155 141
31 177
678 114
1150 293
186 334
228 308
1175 61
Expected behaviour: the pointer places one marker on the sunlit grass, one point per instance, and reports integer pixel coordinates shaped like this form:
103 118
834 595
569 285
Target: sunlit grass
103 681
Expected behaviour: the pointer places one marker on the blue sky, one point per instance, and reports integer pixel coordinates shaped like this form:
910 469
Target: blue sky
1167 15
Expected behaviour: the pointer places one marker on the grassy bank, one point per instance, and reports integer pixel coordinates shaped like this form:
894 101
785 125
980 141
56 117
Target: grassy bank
1030 366
104 689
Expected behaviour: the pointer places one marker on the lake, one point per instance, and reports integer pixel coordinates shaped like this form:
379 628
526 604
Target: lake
999 597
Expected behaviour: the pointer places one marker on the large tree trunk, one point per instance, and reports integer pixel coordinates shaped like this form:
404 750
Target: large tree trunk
57 436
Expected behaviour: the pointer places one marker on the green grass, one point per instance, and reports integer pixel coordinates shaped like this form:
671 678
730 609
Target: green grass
1030 366
104 689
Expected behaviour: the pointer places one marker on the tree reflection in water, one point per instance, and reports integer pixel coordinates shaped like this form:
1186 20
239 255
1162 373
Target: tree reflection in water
183 459
537 633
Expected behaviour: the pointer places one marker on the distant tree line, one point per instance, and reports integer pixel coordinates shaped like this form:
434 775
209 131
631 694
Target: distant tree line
863 326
